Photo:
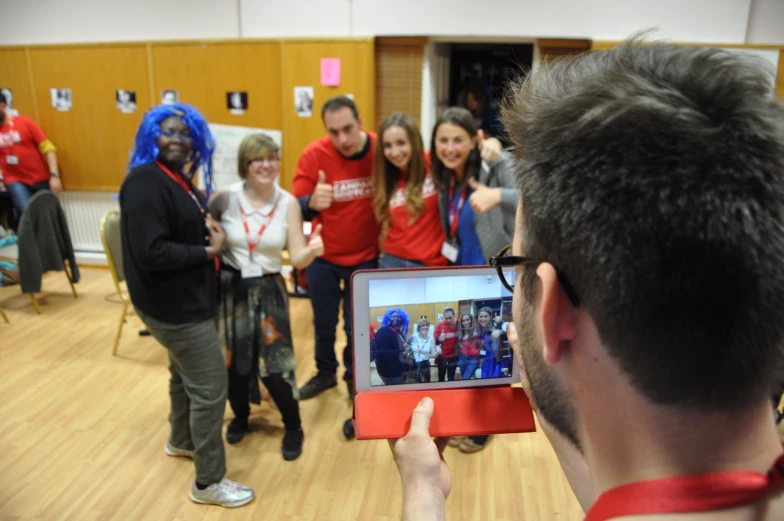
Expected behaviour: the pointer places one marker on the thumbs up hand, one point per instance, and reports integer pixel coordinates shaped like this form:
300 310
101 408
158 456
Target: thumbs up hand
483 199
489 148
321 198
316 244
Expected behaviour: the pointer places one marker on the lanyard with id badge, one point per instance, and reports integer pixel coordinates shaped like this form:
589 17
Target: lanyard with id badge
451 246
253 270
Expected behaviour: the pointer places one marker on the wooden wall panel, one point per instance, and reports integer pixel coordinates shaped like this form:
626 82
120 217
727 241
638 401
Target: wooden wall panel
94 138
302 67
399 76
15 76
604 45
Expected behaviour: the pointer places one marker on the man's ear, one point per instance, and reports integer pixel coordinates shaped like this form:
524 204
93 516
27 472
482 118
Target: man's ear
359 120
557 316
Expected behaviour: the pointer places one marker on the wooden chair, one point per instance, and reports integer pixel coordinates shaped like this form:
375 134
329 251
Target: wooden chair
112 246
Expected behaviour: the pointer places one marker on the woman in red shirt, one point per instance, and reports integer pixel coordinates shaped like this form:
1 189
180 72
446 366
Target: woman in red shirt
406 197
469 342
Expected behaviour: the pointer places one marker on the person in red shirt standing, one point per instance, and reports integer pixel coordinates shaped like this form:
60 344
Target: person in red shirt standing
446 339
27 158
335 185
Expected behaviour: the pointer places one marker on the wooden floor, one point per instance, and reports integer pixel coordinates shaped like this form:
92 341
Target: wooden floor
82 434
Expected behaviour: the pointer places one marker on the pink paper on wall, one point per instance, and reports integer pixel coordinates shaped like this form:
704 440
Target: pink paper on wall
330 72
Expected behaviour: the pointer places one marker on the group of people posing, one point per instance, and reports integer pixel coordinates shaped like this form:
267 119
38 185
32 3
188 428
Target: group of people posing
471 348
203 271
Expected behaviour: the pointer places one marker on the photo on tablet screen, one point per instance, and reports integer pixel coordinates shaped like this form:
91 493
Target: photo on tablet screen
439 329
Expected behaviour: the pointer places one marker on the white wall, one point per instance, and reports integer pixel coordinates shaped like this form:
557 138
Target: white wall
766 22
64 21
70 21
401 292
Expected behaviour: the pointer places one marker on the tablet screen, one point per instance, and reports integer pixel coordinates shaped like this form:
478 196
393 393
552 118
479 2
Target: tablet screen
440 329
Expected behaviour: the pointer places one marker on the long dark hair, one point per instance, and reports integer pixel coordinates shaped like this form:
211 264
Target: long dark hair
386 175
463 332
462 118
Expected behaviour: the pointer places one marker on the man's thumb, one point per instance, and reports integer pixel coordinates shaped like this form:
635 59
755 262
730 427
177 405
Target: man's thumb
473 184
322 177
420 420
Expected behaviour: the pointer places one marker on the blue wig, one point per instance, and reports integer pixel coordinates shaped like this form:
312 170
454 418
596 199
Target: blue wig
403 317
145 148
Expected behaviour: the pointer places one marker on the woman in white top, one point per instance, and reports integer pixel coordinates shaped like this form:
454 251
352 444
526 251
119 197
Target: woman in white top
260 219
422 347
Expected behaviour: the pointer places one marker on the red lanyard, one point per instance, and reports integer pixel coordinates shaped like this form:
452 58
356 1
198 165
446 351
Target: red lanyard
454 216
700 493
180 181
253 243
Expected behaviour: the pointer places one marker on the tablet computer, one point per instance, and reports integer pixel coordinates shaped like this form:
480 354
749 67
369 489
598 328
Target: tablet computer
437 332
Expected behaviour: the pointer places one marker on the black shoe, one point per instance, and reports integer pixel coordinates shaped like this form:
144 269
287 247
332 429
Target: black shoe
348 429
317 385
351 391
237 429
292 444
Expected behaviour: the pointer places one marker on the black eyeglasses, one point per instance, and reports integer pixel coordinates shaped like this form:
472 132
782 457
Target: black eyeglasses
504 259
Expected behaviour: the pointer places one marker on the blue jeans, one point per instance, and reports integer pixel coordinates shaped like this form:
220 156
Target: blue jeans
324 280
467 365
388 261
21 193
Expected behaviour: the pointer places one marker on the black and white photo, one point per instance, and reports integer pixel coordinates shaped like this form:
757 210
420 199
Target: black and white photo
126 101
303 101
61 99
169 96
237 102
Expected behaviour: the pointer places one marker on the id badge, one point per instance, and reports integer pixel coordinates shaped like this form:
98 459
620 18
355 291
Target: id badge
251 271
12 160
483 352
449 251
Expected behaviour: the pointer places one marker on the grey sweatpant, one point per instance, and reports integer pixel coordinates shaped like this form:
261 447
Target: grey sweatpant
197 389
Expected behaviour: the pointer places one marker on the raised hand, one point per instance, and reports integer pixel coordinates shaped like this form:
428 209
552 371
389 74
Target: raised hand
489 148
316 244
483 199
321 198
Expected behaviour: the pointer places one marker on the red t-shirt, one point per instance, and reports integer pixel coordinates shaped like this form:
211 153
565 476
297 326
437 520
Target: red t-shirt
349 230
471 345
19 140
448 345
422 239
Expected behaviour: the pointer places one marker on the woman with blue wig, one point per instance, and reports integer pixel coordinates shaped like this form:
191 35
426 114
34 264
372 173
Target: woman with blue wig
391 361
170 245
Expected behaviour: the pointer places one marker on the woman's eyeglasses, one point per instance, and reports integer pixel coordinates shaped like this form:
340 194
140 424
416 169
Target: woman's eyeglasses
505 259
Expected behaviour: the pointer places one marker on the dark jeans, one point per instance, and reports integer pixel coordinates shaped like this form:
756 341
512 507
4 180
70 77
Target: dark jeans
280 391
324 280
447 367
388 261
21 193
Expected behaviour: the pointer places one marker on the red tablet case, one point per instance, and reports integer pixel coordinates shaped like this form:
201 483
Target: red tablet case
467 411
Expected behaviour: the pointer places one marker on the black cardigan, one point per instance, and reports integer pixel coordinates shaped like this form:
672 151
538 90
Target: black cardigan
163 243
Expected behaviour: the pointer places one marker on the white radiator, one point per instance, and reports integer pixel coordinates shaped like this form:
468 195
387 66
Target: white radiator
84 211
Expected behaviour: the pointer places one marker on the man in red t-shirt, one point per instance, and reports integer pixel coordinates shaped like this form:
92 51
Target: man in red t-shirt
334 184
27 158
446 339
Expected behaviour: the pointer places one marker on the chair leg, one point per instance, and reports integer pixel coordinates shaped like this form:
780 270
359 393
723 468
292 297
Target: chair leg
35 303
119 329
70 281
5 317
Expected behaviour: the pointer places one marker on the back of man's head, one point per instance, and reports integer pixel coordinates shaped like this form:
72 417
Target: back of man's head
653 179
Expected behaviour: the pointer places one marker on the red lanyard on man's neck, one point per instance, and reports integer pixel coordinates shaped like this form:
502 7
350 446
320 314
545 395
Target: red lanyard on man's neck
684 494
180 181
454 215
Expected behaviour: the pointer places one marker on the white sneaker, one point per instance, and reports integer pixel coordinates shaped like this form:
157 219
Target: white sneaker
171 450
227 493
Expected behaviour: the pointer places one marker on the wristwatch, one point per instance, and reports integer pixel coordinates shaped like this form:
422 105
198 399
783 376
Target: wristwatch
54 174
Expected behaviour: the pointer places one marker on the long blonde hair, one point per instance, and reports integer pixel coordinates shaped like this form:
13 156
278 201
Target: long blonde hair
386 175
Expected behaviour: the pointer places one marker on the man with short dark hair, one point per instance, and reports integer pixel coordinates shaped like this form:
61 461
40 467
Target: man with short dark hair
27 158
335 185
648 287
